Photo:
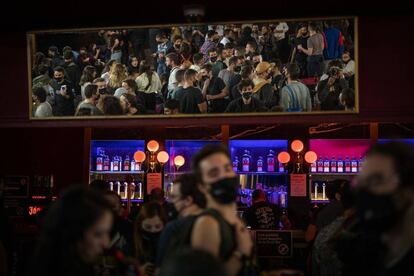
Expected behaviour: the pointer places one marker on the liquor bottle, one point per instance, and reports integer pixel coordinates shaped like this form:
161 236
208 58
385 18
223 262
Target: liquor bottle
333 165
132 165
340 164
236 164
326 165
246 161
354 165
127 164
347 165
282 197
125 191
360 162
137 166
320 165
106 163
323 191
132 190
316 191
260 164
281 167
99 159
138 189
313 167
111 186
271 161
118 187
115 164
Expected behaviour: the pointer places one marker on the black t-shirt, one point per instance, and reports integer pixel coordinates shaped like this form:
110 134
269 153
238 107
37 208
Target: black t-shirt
214 88
301 56
235 92
112 40
64 106
190 100
263 215
237 106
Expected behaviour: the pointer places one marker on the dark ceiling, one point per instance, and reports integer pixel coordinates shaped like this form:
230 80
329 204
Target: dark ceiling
41 14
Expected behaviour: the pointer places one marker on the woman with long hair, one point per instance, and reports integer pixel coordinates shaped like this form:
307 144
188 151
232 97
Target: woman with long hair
133 67
107 69
75 232
116 76
147 229
148 81
88 75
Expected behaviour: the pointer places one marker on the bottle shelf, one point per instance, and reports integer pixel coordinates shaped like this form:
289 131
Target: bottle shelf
331 174
262 173
319 200
132 200
116 172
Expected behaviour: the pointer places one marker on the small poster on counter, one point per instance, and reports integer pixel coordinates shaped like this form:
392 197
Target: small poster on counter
154 180
298 185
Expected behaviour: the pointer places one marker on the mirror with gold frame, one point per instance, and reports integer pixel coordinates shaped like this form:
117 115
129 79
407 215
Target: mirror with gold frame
265 68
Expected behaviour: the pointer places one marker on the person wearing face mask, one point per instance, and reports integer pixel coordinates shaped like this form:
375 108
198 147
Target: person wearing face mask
381 241
219 230
229 75
299 56
214 90
215 61
314 51
191 97
294 96
263 89
53 54
211 42
246 73
189 203
246 103
147 230
172 62
91 98
64 96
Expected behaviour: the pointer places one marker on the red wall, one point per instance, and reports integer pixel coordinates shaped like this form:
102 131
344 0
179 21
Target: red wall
385 76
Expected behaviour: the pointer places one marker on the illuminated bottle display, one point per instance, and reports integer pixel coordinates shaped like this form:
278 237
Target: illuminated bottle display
316 191
360 162
326 165
281 167
236 164
323 191
260 164
132 190
127 164
313 167
283 197
333 165
111 186
320 164
347 165
246 161
138 191
118 187
132 165
271 161
124 191
354 165
106 163
340 165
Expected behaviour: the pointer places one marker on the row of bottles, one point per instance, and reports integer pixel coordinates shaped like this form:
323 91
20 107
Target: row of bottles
277 195
336 165
262 164
104 163
121 188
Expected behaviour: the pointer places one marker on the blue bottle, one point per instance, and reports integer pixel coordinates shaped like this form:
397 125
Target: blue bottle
340 164
333 165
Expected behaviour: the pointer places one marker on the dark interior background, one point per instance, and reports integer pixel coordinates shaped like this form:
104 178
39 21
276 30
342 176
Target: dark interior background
45 147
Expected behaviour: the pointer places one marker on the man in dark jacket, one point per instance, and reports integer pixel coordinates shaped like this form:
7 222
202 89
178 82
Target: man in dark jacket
246 103
72 71
64 96
330 89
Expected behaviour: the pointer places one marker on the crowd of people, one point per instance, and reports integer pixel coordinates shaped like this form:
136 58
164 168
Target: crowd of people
236 68
366 229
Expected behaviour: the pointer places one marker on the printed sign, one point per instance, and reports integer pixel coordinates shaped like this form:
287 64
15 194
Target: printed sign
154 180
298 185
274 243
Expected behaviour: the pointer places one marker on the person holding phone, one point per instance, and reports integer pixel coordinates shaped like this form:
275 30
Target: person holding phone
64 96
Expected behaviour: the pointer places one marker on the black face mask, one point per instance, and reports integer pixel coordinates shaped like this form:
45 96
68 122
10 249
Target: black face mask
177 46
204 78
102 91
213 59
150 236
58 79
225 191
247 95
237 69
377 213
